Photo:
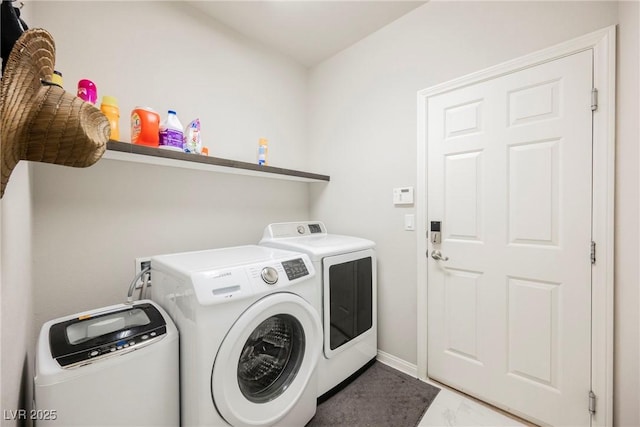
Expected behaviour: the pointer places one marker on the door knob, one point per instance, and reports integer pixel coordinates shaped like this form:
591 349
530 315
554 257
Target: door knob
438 256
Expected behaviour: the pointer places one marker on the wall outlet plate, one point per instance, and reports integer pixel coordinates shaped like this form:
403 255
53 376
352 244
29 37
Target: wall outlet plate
140 264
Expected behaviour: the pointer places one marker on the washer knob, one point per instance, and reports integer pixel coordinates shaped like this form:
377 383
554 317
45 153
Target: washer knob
269 275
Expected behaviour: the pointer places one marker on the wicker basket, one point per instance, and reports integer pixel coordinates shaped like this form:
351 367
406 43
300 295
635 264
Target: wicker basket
40 121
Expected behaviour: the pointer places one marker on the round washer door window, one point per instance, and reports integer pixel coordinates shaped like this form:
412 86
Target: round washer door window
266 360
271 358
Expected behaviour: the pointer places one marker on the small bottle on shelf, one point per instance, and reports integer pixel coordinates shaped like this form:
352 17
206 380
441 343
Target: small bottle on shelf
263 151
87 91
56 78
109 108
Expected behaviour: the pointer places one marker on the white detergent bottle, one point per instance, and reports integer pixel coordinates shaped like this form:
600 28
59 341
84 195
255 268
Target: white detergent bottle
171 135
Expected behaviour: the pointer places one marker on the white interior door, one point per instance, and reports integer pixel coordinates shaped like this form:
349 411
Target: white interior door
510 178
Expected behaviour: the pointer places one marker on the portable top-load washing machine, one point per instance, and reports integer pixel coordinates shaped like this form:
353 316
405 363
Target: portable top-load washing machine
346 285
114 366
250 335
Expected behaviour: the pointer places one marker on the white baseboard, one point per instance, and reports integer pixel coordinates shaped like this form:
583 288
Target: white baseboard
397 363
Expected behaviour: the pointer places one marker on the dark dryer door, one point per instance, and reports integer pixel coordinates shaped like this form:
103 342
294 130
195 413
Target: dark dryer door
266 360
349 298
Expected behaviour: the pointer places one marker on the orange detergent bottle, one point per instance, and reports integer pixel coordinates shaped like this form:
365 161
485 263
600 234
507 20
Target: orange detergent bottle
109 108
145 126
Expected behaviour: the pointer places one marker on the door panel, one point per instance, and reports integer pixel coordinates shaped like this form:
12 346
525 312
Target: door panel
533 192
462 288
463 196
509 175
533 330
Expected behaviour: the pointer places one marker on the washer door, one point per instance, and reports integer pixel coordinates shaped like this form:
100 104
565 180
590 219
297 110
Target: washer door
266 360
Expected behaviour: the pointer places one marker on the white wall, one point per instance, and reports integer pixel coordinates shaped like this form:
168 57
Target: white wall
165 55
91 223
362 128
16 293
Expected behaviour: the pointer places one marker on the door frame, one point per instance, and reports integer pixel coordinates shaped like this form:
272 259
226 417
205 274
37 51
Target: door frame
603 44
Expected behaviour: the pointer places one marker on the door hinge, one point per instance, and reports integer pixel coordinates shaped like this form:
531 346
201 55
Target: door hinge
593 252
594 99
592 402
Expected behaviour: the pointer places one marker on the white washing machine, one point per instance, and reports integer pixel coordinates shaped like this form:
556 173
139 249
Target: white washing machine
346 288
250 335
114 366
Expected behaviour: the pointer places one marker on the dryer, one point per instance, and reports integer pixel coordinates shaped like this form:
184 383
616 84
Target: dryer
346 288
250 335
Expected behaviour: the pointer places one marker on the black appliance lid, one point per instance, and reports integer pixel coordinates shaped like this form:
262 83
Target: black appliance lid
88 332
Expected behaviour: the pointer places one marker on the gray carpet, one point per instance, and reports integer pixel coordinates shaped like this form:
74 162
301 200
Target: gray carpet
380 397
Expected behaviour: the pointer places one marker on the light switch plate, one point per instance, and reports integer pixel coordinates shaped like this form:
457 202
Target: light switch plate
410 222
403 196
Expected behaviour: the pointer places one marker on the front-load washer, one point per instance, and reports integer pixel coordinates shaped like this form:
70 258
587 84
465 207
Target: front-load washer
250 335
115 366
346 287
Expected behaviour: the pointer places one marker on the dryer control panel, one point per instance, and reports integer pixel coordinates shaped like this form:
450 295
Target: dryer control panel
294 229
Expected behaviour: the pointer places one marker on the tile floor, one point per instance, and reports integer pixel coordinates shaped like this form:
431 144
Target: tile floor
451 408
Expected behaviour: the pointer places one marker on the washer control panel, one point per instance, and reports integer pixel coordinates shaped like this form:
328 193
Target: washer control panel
242 281
111 349
295 268
269 275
